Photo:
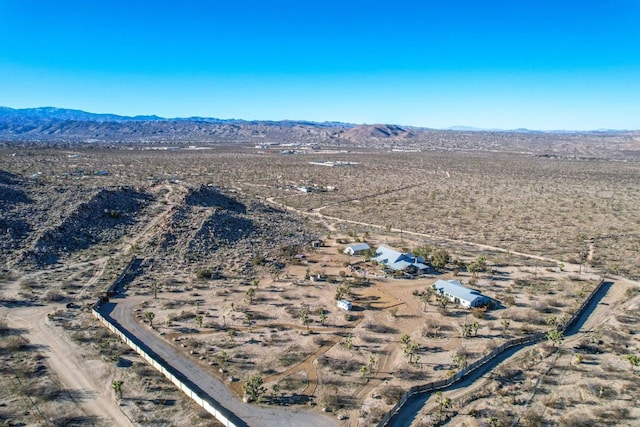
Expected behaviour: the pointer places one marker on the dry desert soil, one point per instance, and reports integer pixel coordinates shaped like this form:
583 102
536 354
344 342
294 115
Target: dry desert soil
229 276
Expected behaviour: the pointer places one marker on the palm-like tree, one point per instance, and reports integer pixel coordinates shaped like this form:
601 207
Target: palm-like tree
149 316
199 319
117 387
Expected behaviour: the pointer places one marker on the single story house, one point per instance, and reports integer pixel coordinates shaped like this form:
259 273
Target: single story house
345 305
399 261
460 294
356 249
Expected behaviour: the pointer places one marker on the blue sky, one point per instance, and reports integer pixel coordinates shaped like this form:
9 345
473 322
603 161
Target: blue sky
496 64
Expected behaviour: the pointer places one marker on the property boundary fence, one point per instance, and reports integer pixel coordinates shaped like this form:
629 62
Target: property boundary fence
226 417
446 383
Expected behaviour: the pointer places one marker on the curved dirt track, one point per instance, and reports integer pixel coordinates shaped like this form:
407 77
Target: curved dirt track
121 310
65 358
599 311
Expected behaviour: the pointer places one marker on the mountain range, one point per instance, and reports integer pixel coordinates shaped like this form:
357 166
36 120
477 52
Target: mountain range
50 125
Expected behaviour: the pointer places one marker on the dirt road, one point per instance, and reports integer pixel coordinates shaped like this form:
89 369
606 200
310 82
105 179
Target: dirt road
601 309
77 373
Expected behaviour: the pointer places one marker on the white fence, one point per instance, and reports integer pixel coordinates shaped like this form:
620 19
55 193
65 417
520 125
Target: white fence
222 414
443 384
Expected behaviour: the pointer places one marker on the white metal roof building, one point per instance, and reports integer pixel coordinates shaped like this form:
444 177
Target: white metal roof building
399 261
460 294
356 248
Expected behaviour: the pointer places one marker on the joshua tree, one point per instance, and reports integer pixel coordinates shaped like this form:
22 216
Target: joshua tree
323 317
634 360
305 319
459 360
275 390
364 373
466 329
425 297
372 363
252 388
251 292
478 265
555 336
117 387
443 403
149 316
247 317
199 319
155 286
505 325
444 302
475 327
222 358
409 348
348 342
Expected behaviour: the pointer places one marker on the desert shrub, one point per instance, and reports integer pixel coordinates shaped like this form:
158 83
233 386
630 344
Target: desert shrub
575 420
370 339
182 316
554 302
6 275
631 292
53 296
508 300
204 274
409 374
612 414
293 355
339 364
380 328
626 319
292 383
544 308
45 391
392 395
321 340
479 312
13 344
331 401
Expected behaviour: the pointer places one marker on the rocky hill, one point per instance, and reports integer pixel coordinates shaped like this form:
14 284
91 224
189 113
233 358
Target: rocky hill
368 132
13 198
229 234
41 224
103 219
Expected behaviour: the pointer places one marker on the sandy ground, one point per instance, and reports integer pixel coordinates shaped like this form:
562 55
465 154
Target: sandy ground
274 331
77 372
613 303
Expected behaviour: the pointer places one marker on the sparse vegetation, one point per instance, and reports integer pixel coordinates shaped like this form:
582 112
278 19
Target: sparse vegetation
213 242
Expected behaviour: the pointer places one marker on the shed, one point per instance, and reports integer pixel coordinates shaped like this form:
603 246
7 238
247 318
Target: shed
345 305
356 249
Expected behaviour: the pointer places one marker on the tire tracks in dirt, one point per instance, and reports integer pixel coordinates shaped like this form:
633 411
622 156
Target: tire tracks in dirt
73 369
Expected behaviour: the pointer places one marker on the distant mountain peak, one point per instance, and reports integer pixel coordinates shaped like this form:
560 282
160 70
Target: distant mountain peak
384 131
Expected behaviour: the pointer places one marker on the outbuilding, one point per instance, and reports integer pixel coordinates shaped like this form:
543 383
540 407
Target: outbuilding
460 294
356 249
345 305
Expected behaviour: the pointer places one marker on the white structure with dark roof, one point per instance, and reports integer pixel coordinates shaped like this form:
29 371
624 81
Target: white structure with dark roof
400 261
460 294
356 249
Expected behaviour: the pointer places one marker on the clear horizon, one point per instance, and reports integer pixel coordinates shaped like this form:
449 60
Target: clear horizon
547 65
